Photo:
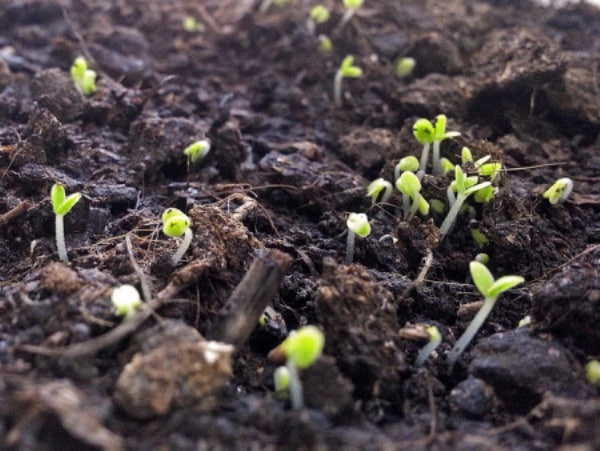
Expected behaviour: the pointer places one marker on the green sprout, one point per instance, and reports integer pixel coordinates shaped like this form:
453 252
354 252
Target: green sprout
447 166
175 224
464 187
592 372
191 25
197 150
405 66
410 187
318 14
84 78
409 163
482 258
346 70
525 321
559 191
379 189
479 237
352 6
358 224
325 44
435 338
61 205
490 289
281 380
427 134
301 349
125 300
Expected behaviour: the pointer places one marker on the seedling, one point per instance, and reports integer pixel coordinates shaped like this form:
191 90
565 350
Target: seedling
319 14
175 224
351 7
424 133
592 372
125 300
482 258
84 78
410 187
525 321
281 380
346 70
447 166
409 163
490 289
191 25
559 191
479 237
379 189
358 224
61 205
427 134
464 187
301 349
435 338
405 66
325 44
197 150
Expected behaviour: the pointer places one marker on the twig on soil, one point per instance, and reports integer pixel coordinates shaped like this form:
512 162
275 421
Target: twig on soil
421 277
15 212
259 286
144 283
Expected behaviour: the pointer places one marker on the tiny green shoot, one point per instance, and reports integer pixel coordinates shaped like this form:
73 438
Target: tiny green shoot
479 237
559 191
318 14
175 224
84 78
325 44
525 321
464 187
346 70
191 25
490 289
592 372
125 300
440 134
405 66
352 6
410 187
301 348
435 338
446 165
61 205
197 150
281 380
379 189
358 224
424 133
409 163
482 258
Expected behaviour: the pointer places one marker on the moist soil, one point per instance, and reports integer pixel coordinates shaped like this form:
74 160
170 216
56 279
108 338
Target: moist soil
286 167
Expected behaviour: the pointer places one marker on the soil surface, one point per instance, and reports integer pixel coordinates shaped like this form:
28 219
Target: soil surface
268 206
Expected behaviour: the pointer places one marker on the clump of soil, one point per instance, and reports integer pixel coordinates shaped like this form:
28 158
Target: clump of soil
268 206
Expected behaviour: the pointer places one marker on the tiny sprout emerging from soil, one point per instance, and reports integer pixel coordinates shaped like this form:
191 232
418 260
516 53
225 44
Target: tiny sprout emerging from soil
427 134
490 289
592 372
175 224
281 380
197 150
482 258
125 300
424 133
379 189
410 187
325 44
84 78
318 14
346 70
191 25
435 338
464 187
479 237
405 66
358 224
525 321
351 7
61 205
301 349
409 163
446 165
559 191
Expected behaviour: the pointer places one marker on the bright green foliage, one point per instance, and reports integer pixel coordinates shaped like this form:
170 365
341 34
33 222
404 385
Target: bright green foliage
346 70
427 133
559 191
447 166
175 222
379 189
125 300
479 237
281 379
358 223
84 78
592 372
423 131
490 289
197 150
62 205
319 14
466 156
484 195
304 346
191 25
405 66
325 44
482 258
353 4
409 163
410 187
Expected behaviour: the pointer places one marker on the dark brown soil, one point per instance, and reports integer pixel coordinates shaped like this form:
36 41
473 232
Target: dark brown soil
519 81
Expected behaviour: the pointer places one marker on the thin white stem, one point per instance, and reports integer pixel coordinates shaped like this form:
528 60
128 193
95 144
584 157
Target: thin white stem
60 239
437 164
471 331
424 157
414 207
337 88
350 247
426 351
406 206
264 6
183 247
296 395
348 14
451 216
451 196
